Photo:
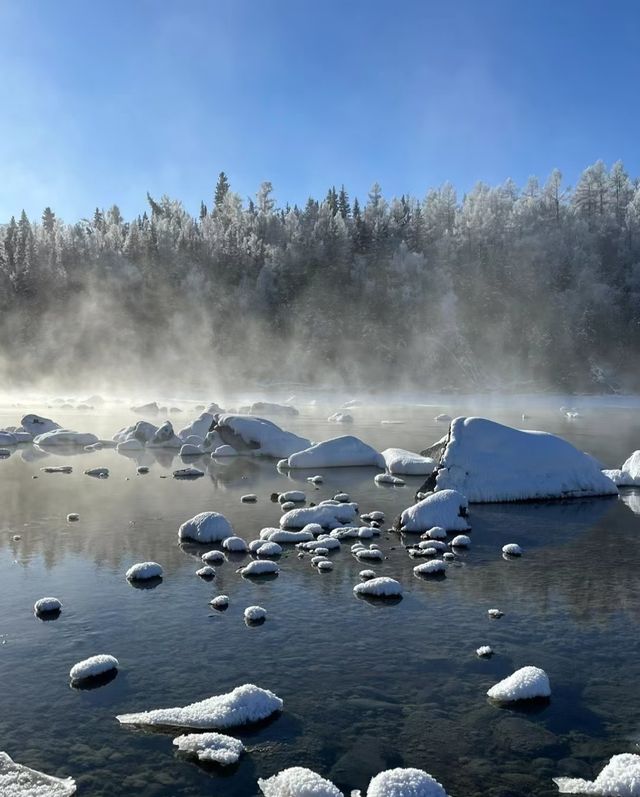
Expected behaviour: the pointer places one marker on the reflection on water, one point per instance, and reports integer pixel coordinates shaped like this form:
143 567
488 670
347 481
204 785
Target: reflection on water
365 685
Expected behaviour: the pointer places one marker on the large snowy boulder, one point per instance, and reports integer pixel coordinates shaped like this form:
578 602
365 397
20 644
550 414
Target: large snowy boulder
143 431
16 780
206 527
244 704
399 460
259 436
346 451
37 424
298 782
401 782
487 461
329 516
447 509
201 427
620 778
65 437
527 683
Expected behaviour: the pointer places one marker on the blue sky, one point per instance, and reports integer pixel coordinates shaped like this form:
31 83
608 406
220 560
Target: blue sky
101 102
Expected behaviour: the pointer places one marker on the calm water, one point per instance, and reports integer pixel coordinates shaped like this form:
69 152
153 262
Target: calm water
365 687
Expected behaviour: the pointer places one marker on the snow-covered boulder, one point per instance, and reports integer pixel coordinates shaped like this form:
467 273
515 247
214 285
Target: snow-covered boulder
269 408
460 541
224 451
527 683
165 437
93 667
244 704
403 782
143 571
97 473
191 450
151 408
45 606
512 549
132 444
8 439
262 567
447 508
188 473
206 527
629 474
37 424
298 782
380 587
432 568
215 747
200 427
620 778
329 516
65 437
347 451
16 780
297 496
255 614
407 463
282 536
220 602
388 478
259 435
235 544
487 461
269 548
142 431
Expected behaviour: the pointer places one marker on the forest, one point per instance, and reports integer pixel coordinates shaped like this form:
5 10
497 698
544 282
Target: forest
505 287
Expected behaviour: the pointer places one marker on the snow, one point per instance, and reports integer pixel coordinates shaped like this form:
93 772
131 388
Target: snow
487 461
298 782
338 452
495 613
282 536
526 683
213 557
255 614
47 606
225 451
17 780
94 665
260 567
460 541
219 602
407 463
387 478
206 572
190 450
297 496
325 565
151 408
446 509
340 417
144 570
65 437
512 549
142 431
341 498
268 408
629 473
632 466
236 544
244 704
381 586
329 516
484 650
365 575
215 747
435 533
200 427
371 554
431 568
37 424
263 436
206 527
344 532
403 782
323 541
269 548
165 437
130 445
619 778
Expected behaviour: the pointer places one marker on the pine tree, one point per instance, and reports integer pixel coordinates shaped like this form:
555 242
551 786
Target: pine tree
203 211
222 189
332 200
343 203
48 220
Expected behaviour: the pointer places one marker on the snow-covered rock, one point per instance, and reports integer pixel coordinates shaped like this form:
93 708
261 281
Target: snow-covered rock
261 567
619 778
381 587
369 554
213 558
215 747
235 544
347 451
191 450
365 575
282 536
261 436
403 782
47 606
432 568
629 473
526 683
496 614
442 418
435 533
200 427
512 549
142 431
388 478
8 439
329 516
484 651
151 408
325 566
244 704
460 541
255 614
447 509
65 437
487 461
220 602
97 473
92 667
206 572
224 451
206 527
165 437
324 541
298 782
269 548
17 780
188 473
340 417
297 496
37 425
407 463
144 570
269 408
130 445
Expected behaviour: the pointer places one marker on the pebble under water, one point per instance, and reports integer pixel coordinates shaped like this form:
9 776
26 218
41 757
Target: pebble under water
367 685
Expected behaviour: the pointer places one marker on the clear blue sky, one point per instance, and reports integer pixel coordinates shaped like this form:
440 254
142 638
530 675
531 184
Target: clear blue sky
100 102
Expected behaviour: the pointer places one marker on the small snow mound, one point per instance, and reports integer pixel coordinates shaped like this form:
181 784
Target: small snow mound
325 565
381 587
255 614
260 567
206 527
298 782
436 533
236 544
93 666
297 496
328 516
269 548
213 557
144 570
224 451
431 568
484 651
281 536
620 777
215 747
206 572
403 782
219 602
526 683
365 575
407 463
370 554
244 704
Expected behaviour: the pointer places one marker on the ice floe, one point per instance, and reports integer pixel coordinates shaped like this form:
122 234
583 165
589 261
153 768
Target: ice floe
487 461
244 704
347 451
217 748
298 782
144 570
527 683
206 527
447 509
17 780
619 778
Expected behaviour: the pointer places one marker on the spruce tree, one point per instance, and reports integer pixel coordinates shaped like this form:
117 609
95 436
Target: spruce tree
222 189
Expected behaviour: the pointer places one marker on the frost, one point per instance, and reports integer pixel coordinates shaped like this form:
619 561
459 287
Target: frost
215 747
